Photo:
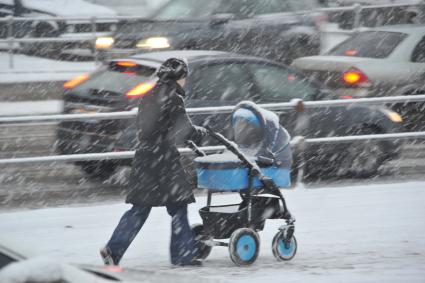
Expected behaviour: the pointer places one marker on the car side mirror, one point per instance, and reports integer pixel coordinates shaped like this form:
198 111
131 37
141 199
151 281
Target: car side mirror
220 19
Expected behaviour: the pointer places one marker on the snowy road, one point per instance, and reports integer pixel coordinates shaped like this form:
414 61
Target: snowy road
369 233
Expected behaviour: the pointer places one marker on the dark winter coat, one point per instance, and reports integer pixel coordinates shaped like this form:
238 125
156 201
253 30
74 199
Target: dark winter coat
157 176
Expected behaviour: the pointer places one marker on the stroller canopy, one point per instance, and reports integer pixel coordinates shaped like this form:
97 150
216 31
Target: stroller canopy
258 133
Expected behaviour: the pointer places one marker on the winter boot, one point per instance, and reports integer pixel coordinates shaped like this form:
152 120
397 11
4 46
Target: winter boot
106 255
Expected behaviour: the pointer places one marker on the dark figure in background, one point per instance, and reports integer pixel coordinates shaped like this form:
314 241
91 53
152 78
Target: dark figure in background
157 176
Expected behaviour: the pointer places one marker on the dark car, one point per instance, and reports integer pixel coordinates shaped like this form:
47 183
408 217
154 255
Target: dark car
218 79
49 26
276 29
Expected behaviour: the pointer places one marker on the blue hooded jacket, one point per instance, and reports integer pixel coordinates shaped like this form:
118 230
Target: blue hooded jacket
259 133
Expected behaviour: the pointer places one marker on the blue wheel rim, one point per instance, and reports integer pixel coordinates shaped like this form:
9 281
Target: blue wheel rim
246 247
288 251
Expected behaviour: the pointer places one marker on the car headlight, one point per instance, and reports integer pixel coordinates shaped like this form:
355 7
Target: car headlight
104 42
154 43
393 116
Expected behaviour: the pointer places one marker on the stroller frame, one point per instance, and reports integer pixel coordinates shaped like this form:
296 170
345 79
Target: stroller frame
254 208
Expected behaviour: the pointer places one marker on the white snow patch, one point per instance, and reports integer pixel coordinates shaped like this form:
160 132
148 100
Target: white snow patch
34 69
42 270
31 107
67 8
345 234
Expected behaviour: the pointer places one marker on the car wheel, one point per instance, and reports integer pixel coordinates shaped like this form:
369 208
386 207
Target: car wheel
362 160
98 170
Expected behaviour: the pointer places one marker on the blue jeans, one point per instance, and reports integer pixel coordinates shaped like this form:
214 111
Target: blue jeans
182 247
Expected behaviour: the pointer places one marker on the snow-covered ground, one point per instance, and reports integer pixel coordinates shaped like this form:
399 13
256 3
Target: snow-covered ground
371 233
34 69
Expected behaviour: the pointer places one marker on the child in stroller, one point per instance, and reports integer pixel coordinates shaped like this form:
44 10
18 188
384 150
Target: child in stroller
256 166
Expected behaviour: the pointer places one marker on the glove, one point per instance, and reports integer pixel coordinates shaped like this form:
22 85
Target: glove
199 133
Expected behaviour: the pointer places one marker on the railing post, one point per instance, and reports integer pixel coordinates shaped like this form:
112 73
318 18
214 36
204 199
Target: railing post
94 31
299 147
10 38
357 17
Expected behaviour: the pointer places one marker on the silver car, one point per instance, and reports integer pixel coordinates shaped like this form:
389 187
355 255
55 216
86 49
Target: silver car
387 61
377 62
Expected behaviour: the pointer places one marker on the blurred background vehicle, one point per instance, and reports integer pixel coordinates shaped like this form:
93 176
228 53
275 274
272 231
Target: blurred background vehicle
45 9
141 8
375 13
219 79
276 29
367 2
379 62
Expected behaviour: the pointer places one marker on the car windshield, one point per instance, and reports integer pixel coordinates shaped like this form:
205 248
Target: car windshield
371 44
201 9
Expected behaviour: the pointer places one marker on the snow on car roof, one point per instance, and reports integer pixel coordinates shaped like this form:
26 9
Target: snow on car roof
182 54
409 29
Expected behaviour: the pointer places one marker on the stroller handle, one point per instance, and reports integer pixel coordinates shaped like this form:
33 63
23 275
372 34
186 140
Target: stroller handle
191 144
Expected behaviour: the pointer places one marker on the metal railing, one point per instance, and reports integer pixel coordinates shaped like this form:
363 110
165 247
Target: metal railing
222 109
299 143
90 37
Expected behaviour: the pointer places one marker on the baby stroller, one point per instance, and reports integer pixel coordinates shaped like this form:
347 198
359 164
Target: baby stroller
256 166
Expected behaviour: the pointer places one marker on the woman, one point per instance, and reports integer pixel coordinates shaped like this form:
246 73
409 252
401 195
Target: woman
157 176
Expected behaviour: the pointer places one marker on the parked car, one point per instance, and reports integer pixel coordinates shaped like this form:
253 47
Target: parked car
218 79
140 8
277 29
379 62
65 29
376 13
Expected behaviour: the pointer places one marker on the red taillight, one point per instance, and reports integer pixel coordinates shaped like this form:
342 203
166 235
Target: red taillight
76 81
126 64
351 52
140 90
354 77
291 77
346 97
129 73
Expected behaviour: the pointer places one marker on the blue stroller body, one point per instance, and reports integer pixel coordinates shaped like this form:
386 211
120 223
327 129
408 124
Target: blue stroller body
257 166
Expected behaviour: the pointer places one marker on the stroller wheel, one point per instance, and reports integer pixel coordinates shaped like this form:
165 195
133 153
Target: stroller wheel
203 250
281 250
244 246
